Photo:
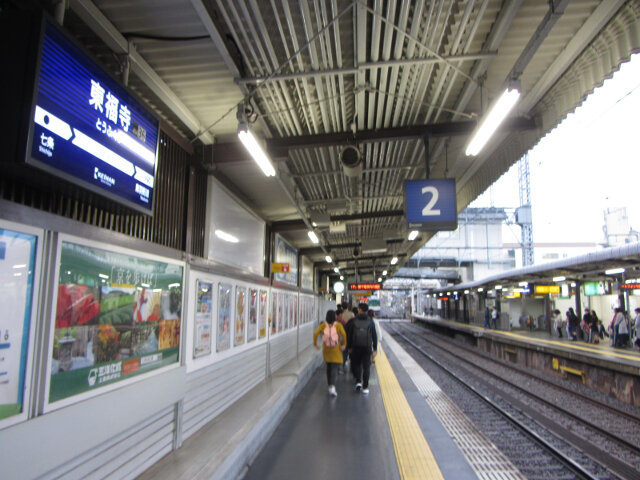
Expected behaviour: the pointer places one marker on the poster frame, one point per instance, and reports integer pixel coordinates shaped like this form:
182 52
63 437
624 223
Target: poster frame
199 281
28 373
195 364
51 314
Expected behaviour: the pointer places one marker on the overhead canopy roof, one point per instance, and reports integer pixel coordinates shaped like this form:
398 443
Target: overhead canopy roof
588 267
404 82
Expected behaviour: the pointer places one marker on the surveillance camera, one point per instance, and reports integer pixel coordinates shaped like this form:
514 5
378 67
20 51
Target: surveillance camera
356 252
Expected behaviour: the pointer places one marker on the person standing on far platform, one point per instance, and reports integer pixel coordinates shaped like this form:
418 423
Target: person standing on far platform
487 317
586 324
557 322
362 341
494 318
334 341
636 328
573 322
621 329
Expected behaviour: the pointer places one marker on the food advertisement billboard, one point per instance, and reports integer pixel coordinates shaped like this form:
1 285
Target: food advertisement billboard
116 316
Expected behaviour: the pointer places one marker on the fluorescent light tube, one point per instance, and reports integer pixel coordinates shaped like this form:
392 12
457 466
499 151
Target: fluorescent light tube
313 236
559 279
493 120
614 271
254 148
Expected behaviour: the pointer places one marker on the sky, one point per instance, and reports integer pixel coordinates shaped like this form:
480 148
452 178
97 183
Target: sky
590 162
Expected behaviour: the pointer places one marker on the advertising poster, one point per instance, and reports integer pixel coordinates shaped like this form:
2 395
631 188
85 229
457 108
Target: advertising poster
274 312
262 315
17 262
285 253
224 318
241 310
116 316
203 319
252 328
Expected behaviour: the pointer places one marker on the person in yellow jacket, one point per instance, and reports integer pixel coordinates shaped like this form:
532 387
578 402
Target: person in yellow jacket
334 341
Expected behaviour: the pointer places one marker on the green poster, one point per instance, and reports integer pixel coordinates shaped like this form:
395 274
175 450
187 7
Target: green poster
117 316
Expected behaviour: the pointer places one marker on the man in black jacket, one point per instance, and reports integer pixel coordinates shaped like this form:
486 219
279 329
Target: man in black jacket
362 342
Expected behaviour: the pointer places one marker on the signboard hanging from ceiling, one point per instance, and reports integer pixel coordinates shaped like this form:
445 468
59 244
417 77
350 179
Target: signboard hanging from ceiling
364 286
87 128
430 205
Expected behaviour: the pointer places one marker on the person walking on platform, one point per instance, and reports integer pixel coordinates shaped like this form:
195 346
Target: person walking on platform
556 317
636 328
487 317
348 314
334 341
362 341
494 318
345 354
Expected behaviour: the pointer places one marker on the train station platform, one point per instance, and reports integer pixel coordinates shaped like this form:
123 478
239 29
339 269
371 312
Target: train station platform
405 428
600 366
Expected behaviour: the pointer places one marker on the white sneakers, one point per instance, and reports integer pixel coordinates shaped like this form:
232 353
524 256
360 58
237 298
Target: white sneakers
365 391
358 387
332 391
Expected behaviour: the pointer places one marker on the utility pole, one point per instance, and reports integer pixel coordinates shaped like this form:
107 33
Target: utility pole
523 213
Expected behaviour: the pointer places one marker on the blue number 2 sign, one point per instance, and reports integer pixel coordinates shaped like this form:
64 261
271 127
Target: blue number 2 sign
431 204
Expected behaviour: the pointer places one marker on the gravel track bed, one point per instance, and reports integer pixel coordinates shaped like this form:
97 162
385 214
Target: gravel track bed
588 412
532 460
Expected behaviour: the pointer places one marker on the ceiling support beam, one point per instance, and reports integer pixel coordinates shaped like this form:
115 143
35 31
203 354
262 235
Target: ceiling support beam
279 146
365 66
110 35
296 225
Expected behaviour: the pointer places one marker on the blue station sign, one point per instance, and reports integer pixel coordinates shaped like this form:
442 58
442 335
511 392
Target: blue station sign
88 129
431 204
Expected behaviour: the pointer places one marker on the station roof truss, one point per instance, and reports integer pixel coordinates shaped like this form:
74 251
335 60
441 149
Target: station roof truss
403 82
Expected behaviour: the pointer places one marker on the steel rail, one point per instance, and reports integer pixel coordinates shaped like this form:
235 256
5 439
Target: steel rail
565 460
621 468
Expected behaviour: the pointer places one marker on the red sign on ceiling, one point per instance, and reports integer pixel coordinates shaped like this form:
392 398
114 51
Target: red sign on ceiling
365 286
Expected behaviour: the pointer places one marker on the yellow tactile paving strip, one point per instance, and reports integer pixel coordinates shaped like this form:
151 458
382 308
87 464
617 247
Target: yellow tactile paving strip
414 457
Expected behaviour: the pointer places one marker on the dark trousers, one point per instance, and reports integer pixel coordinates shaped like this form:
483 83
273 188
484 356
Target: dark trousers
361 365
332 373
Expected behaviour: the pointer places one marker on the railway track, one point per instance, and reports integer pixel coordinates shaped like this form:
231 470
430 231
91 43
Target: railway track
576 430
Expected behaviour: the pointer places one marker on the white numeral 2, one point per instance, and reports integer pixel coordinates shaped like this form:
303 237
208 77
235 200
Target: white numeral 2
428 209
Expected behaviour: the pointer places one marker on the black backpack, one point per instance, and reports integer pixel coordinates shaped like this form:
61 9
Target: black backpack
362 333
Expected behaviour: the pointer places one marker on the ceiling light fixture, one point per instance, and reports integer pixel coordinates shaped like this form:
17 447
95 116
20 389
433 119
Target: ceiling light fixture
494 118
328 259
394 260
313 236
614 271
559 279
413 235
251 144
379 279
335 269
384 273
